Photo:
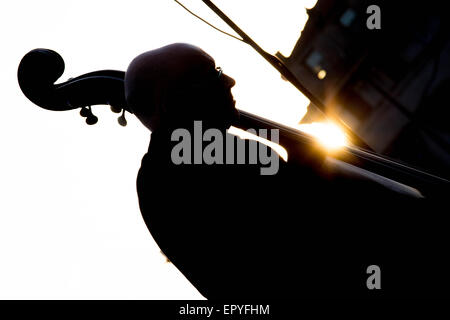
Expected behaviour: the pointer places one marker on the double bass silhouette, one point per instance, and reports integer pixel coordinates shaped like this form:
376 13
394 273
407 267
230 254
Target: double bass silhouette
313 232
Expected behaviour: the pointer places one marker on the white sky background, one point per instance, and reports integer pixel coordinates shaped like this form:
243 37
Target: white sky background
70 226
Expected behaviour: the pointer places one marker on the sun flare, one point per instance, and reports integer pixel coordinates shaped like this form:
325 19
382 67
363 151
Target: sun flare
328 134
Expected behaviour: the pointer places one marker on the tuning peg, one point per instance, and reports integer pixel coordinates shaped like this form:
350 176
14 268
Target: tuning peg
91 119
122 121
85 112
116 109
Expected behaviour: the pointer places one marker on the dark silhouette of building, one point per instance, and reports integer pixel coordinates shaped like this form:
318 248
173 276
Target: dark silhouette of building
389 84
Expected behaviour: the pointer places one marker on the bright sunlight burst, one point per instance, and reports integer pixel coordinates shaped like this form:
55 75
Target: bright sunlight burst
327 133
